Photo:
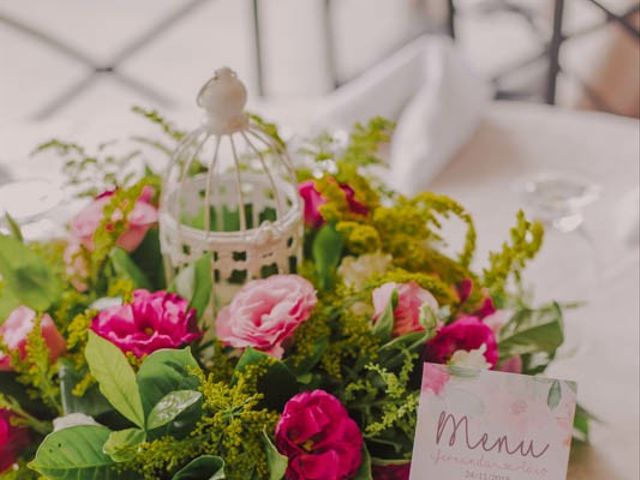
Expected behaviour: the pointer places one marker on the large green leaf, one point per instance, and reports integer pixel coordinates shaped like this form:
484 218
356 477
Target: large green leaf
326 252
532 332
278 384
165 371
194 283
75 453
118 445
116 378
277 462
170 406
125 267
31 281
206 467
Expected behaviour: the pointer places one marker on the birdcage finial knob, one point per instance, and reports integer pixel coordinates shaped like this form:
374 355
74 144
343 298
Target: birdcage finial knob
223 97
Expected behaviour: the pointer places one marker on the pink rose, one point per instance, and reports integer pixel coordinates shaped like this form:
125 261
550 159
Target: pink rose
407 312
150 322
266 312
84 225
18 325
12 440
466 333
313 200
391 472
320 439
434 378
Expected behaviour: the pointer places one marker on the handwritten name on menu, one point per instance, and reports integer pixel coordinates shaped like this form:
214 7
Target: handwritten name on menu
487 425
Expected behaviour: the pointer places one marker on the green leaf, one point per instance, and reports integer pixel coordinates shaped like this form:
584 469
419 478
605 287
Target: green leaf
148 258
384 325
555 395
92 403
125 267
8 302
278 384
582 424
75 453
171 405
276 462
326 252
532 332
311 360
205 467
194 283
118 444
165 371
364 472
28 277
116 378
14 228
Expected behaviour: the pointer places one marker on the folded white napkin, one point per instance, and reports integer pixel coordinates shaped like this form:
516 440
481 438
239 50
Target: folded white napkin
429 89
440 118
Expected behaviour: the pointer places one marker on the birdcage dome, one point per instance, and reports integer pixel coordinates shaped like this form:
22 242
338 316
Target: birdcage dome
230 190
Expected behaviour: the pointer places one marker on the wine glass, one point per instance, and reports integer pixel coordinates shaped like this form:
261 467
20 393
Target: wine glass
567 268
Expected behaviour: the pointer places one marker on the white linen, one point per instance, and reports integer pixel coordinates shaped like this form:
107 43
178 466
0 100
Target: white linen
514 142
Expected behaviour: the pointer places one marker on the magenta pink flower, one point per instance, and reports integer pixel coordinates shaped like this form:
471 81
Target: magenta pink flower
264 313
320 439
407 312
14 331
391 472
313 200
486 308
466 333
13 440
150 322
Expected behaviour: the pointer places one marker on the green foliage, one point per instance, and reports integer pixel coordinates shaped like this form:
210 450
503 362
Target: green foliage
195 283
94 172
535 335
26 277
276 462
170 406
386 405
35 370
205 467
231 427
117 381
526 241
327 252
76 453
365 142
124 267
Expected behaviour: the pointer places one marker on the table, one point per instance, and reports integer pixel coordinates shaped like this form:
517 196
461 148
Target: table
514 141
518 140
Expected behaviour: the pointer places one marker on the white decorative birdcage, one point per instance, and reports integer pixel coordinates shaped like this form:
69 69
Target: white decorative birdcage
230 190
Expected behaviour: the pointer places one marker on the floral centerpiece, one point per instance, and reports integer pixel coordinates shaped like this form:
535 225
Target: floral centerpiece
108 372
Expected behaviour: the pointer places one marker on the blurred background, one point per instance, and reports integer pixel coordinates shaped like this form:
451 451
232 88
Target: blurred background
73 58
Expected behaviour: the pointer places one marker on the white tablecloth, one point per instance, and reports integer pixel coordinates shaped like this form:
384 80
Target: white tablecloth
516 141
